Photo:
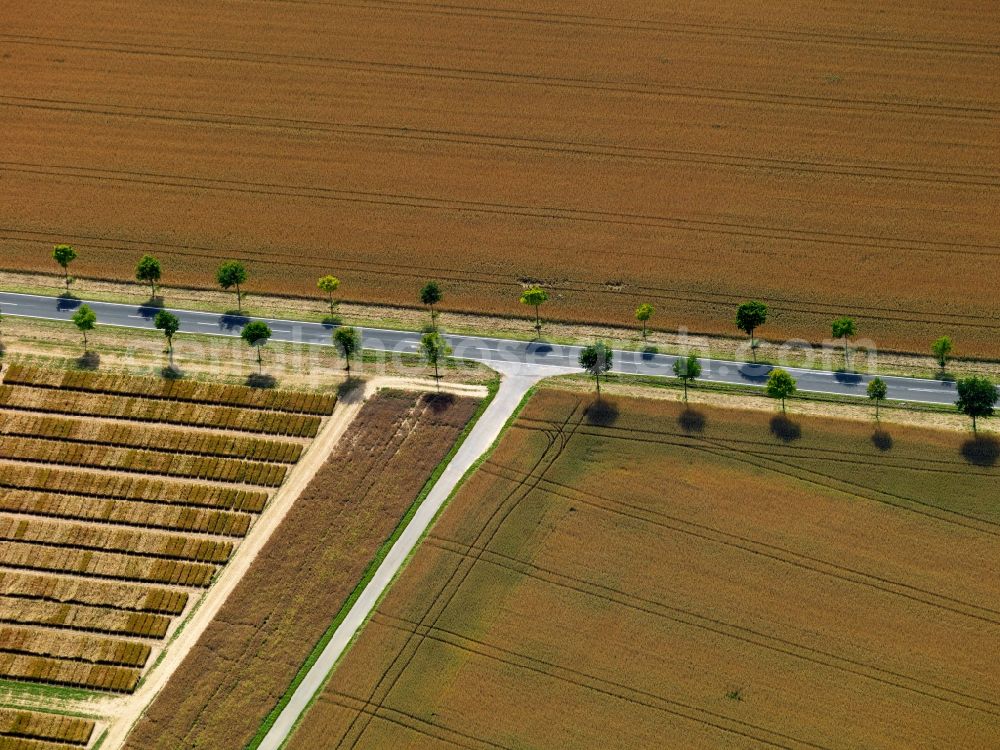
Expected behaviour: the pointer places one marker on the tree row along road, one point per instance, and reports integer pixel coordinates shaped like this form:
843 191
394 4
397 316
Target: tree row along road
527 358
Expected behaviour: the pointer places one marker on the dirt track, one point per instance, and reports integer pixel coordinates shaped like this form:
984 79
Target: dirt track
831 163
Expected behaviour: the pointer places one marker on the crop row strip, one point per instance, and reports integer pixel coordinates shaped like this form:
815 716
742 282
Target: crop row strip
244 397
192 441
140 461
126 513
49 401
115 595
45 726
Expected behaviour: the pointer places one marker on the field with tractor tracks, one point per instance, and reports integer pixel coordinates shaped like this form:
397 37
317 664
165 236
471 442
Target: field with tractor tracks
632 573
834 161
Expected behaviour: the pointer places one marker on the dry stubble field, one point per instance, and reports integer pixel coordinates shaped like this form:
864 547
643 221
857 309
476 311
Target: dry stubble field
642 576
120 499
251 651
832 161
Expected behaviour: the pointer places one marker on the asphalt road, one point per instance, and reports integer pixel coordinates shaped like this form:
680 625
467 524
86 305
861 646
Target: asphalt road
524 357
487 429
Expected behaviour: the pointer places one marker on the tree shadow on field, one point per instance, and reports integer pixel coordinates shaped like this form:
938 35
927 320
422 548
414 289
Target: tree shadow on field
68 301
601 412
983 450
785 429
350 390
3 348
258 380
882 440
439 402
691 420
172 372
88 361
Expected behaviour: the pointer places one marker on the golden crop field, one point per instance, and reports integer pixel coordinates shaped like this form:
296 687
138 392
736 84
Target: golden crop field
251 651
638 575
120 499
835 160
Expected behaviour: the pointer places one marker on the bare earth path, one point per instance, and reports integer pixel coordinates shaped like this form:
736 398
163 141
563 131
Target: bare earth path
512 389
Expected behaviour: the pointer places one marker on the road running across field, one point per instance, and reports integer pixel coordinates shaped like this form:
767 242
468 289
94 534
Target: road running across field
526 358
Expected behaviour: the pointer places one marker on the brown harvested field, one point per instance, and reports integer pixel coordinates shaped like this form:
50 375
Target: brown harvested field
640 576
111 528
251 651
830 160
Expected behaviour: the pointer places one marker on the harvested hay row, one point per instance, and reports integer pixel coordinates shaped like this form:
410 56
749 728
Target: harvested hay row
127 487
75 674
104 538
80 617
160 438
34 556
43 726
115 595
141 461
246 397
127 513
20 397
74 646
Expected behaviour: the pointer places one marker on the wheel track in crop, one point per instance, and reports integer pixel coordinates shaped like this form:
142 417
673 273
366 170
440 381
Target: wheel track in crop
697 620
766 98
719 449
655 26
556 443
752 546
497 141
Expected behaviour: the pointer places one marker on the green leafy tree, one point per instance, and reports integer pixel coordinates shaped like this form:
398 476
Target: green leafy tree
329 284
536 297
643 313
596 360
977 395
148 271
780 385
256 334
231 274
435 349
941 349
168 323
85 320
348 342
687 369
749 317
877 391
844 328
430 295
64 255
